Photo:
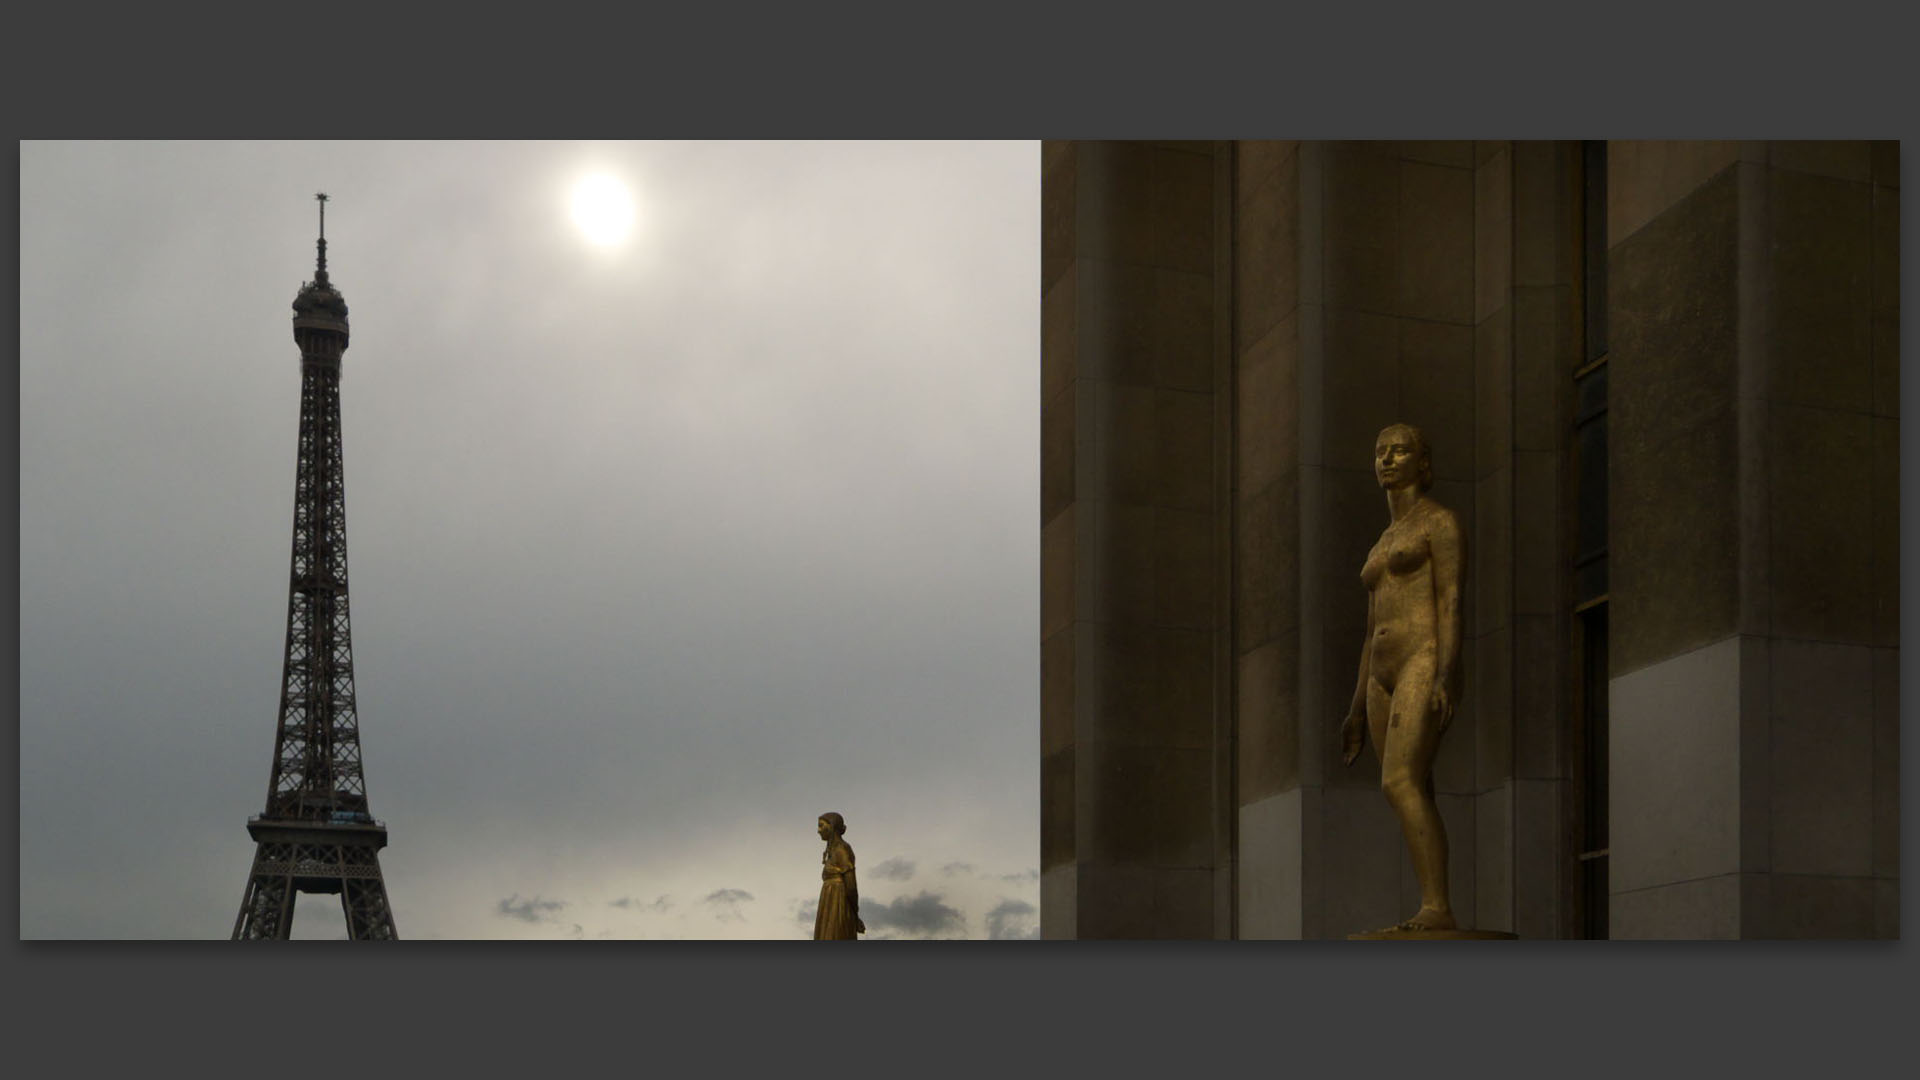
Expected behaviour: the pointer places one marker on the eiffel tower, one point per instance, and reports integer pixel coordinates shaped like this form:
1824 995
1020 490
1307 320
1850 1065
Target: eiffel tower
316 835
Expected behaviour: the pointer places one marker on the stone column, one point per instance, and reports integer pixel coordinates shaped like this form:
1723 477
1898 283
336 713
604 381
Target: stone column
1271 804
1753 539
1135 837
1526 319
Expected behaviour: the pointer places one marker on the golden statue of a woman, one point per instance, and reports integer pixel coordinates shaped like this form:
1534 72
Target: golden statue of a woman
838 916
1410 661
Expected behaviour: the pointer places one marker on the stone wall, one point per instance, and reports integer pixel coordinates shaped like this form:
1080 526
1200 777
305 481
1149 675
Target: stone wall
1226 327
1755 539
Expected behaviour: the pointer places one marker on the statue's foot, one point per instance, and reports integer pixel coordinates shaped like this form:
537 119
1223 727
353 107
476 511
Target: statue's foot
1428 918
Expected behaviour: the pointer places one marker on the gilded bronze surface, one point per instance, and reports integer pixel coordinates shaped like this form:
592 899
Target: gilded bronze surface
838 916
1409 680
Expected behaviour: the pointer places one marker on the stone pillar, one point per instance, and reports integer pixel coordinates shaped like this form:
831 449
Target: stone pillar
1753 539
1271 804
1135 834
1526 320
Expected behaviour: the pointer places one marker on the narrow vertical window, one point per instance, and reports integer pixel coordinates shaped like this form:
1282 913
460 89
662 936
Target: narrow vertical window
1590 539
1593 167
1593 722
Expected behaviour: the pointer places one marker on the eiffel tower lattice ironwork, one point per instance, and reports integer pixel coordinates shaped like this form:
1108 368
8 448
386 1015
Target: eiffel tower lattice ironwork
316 834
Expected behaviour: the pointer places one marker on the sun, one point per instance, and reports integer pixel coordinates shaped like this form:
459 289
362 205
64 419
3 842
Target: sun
603 209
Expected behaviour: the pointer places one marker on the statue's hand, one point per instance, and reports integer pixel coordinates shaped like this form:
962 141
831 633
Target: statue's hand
1441 704
1353 737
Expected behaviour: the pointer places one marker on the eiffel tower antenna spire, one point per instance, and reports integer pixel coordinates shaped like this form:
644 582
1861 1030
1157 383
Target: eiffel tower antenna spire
320 273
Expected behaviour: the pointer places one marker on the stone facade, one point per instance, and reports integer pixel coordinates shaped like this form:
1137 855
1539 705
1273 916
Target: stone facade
1226 326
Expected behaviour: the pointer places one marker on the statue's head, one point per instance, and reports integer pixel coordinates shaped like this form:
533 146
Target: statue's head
1401 455
831 825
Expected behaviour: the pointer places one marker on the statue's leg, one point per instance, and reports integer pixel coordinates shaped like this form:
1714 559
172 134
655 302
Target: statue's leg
1406 776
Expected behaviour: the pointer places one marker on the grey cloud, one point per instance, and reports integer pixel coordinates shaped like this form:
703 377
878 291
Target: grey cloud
1022 876
661 904
894 869
923 916
953 868
1013 920
532 910
726 903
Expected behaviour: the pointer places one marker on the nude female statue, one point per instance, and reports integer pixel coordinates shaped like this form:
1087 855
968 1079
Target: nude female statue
837 918
1410 661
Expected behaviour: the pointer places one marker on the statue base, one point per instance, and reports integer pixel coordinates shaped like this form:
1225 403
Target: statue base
1394 933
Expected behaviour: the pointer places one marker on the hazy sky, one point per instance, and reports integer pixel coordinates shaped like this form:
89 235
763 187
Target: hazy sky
657 550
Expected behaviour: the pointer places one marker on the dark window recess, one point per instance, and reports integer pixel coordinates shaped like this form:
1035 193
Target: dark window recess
1593 160
1590 385
1590 456
1590 396
1594 844
1590 543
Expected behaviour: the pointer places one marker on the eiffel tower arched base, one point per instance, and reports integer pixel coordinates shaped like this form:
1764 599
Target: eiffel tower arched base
292 857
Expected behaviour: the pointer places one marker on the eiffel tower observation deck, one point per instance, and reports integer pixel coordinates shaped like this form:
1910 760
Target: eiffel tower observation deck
316 833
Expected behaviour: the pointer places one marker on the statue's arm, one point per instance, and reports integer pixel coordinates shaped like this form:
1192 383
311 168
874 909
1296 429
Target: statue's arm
1359 705
1449 550
851 881
1353 729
